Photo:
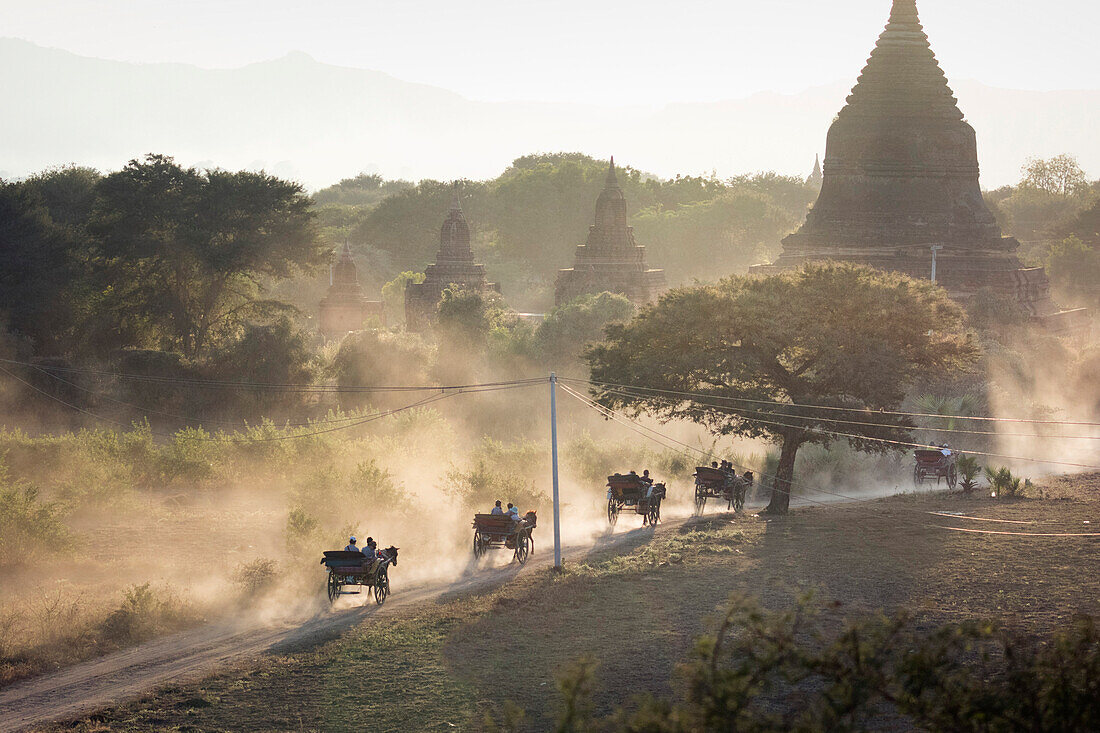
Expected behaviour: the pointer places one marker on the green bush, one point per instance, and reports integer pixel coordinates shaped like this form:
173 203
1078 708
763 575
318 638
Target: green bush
29 527
762 670
1003 483
968 473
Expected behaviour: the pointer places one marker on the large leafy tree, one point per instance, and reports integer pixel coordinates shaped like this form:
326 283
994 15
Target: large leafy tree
760 350
187 253
36 267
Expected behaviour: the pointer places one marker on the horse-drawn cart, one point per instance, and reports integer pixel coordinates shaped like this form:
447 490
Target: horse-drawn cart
631 491
723 484
346 568
934 464
501 531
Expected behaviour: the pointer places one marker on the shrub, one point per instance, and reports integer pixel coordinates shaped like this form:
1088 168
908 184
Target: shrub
968 473
29 527
767 670
255 578
1003 483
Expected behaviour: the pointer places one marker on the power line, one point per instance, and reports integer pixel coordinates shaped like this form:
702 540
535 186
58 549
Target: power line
444 393
833 407
887 426
899 443
285 387
611 414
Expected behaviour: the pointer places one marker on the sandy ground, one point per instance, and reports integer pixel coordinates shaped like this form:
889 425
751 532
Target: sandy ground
118 677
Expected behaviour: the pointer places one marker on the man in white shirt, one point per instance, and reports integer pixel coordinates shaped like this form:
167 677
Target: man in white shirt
351 546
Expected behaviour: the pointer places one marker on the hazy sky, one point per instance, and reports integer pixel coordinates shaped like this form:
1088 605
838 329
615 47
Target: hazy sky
617 51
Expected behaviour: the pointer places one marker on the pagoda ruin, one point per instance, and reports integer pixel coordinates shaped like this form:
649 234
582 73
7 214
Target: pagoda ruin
344 308
610 260
454 267
900 187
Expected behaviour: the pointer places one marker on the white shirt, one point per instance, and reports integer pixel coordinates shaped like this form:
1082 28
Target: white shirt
497 510
352 548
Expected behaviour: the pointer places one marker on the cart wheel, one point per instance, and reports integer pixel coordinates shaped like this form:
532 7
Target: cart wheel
952 477
479 547
612 512
381 587
523 548
918 477
700 500
333 587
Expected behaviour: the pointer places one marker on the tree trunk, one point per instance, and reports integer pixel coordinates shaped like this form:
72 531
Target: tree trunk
784 474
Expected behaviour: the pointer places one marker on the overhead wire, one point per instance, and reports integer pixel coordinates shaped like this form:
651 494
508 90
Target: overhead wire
286 387
443 393
835 408
611 414
835 433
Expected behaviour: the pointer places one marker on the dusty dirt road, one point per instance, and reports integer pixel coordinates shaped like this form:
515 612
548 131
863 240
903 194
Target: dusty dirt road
116 678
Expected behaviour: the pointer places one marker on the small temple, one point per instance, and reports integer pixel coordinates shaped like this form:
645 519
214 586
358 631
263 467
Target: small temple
344 308
901 177
610 260
815 178
454 266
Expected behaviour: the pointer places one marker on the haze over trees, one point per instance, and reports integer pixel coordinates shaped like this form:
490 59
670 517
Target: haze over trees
746 356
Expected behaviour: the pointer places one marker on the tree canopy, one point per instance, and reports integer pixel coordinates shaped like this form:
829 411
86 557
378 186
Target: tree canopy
759 351
188 252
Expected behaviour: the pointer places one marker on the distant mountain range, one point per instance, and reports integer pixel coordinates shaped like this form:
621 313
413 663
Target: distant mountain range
319 123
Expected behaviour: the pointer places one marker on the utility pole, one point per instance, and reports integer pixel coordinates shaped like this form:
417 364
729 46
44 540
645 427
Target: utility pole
554 468
935 248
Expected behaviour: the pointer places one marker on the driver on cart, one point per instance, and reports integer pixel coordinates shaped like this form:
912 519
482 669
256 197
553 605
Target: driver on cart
946 450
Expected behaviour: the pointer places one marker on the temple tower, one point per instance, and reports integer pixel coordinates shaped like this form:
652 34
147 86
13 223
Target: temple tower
901 176
610 260
345 308
454 266
815 178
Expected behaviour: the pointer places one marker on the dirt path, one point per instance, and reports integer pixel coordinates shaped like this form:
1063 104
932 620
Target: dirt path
124 675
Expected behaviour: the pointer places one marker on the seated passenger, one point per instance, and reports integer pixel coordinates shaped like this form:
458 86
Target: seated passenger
646 478
351 546
496 509
513 512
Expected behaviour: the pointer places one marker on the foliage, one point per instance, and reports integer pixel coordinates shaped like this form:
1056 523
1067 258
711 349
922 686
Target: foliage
29 526
186 254
364 190
67 192
478 486
1058 176
968 473
708 239
1074 269
1003 483
571 327
144 613
782 342
766 670
255 577
379 359
393 294
39 263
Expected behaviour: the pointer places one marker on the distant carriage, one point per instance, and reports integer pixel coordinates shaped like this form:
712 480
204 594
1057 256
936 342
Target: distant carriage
501 531
352 568
722 484
631 491
933 464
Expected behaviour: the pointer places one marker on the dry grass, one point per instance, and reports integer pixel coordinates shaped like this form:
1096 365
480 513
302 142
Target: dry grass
448 664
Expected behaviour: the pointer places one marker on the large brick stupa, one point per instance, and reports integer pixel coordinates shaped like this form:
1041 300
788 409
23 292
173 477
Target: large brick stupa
901 177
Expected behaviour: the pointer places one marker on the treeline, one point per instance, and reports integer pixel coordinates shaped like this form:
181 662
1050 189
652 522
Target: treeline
1055 213
528 221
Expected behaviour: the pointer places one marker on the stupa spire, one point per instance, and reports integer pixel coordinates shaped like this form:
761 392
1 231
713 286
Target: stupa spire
456 203
902 76
612 180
